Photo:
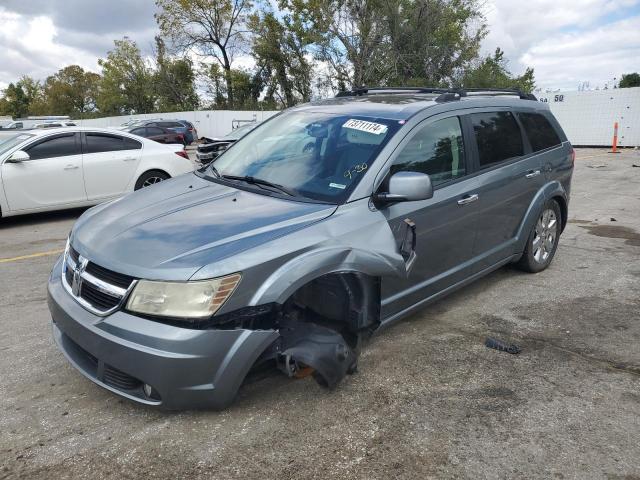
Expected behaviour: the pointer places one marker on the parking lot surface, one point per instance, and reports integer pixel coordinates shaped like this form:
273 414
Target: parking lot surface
429 399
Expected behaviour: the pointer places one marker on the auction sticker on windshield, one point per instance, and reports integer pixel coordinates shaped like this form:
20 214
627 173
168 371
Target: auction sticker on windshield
364 126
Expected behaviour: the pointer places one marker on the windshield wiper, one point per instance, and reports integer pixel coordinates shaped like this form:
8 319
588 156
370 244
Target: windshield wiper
214 170
259 181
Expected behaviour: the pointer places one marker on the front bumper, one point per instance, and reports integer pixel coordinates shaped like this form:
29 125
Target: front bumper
122 352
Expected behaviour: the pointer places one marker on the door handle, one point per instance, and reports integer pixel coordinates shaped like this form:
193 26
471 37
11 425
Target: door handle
468 199
129 159
532 173
71 167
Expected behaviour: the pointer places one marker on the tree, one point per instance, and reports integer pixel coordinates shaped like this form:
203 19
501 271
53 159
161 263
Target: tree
208 27
247 86
174 81
127 81
280 56
629 80
431 41
347 35
71 91
492 72
378 42
35 96
14 101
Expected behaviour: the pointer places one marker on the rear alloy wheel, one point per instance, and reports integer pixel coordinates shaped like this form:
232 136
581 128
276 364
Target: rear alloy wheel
150 178
543 240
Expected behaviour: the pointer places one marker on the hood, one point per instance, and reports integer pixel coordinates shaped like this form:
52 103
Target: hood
170 230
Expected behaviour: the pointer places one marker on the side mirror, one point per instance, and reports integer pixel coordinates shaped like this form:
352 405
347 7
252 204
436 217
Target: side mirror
17 157
407 187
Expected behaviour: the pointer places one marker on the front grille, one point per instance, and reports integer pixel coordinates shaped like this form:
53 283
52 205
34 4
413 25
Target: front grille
98 289
114 278
73 254
98 299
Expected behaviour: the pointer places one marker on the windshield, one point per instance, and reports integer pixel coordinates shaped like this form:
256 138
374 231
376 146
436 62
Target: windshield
319 156
240 132
7 143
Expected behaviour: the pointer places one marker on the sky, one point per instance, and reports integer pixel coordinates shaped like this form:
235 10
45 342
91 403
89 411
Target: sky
567 42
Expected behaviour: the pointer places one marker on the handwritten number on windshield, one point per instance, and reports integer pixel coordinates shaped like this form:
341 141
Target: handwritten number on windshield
356 169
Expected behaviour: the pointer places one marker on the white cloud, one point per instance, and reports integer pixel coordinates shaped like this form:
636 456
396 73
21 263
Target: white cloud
32 47
565 41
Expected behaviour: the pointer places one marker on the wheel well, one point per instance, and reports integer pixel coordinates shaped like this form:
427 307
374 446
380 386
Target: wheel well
347 301
153 170
563 209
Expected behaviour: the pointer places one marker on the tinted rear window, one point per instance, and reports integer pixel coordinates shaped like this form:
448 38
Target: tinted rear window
98 142
498 137
539 130
58 146
170 124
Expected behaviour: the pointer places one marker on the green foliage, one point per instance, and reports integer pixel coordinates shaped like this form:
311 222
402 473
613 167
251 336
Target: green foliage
375 42
492 72
174 82
629 80
247 87
14 101
71 91
280 51
214 28
127 81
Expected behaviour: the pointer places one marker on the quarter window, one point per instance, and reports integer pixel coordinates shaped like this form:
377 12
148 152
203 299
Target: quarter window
498 137
437 150
541 133
59 146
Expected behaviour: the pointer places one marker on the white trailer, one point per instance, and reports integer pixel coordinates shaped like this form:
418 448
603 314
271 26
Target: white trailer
588 117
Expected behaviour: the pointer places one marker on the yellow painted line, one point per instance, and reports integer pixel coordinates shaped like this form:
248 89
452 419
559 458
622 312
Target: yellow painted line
32 255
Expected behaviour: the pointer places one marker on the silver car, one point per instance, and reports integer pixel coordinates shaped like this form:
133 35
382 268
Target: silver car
303 238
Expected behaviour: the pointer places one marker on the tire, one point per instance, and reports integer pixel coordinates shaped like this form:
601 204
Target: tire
543 239
150 178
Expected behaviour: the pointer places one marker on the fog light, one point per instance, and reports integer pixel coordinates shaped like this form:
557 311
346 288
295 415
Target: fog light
148 390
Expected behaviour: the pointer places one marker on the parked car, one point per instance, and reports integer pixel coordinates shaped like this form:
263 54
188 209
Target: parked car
9 125
191 130
54 169
213 147
55 124
179 126
157 134
326 222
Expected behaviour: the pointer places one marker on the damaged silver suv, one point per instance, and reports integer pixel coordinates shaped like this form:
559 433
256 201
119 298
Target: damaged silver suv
324 223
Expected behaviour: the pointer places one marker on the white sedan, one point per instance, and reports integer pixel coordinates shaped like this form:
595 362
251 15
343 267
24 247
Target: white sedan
69 167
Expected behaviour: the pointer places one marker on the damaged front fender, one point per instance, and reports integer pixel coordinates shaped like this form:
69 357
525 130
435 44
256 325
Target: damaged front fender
355 243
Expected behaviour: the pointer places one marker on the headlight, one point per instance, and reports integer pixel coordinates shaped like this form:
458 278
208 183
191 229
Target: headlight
199 299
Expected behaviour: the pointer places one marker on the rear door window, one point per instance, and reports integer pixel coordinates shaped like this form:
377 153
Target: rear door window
436 149
155 131
101 142
498 137
539 130
58 146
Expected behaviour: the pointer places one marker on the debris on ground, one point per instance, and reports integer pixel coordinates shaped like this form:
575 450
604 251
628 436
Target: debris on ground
613 219
502 346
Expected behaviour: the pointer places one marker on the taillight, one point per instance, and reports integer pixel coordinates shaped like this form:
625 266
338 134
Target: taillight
573 156
183 153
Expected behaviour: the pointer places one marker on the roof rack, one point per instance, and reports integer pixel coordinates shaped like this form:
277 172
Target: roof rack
446 94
